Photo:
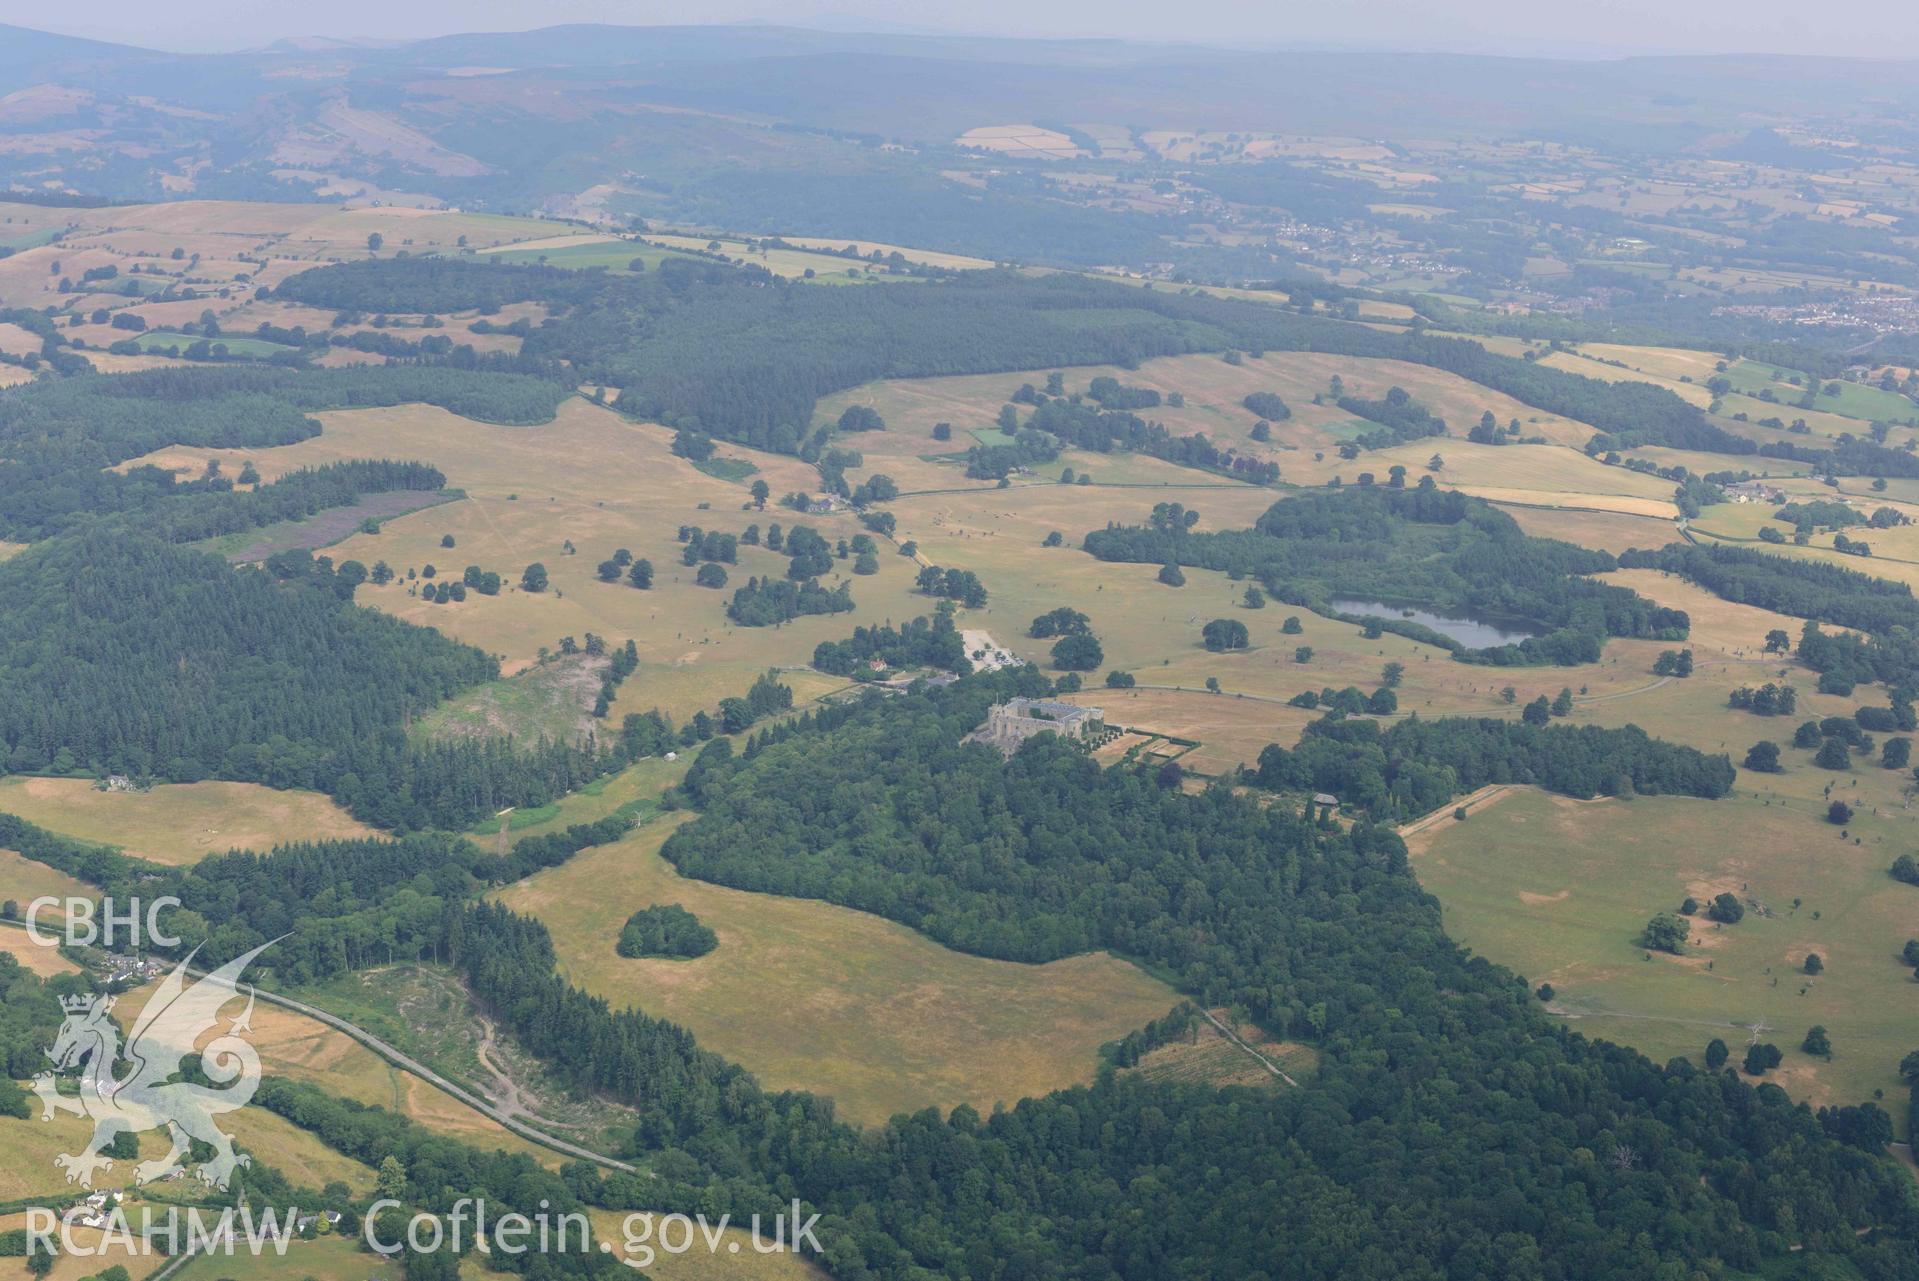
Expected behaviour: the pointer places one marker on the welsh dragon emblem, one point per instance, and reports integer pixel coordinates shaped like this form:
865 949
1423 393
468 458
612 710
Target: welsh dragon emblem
148 1094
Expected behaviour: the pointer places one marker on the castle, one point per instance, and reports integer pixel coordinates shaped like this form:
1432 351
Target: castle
1011 723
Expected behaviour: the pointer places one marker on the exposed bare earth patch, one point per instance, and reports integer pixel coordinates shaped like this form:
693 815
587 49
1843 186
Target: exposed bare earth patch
323 529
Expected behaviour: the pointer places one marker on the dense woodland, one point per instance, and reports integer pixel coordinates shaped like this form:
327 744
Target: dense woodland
1414 766
122 654
919 642
141 658
1422 546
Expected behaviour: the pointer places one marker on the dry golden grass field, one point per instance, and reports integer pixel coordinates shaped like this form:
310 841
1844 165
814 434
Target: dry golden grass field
789 263
1607 531
811 996
178 823
1588 363
929 257
325 1258
729 1256
1559 889
1670 363
100 1254
23 880
291 237
44 961
28 1148
15 341
1514 877
1549 474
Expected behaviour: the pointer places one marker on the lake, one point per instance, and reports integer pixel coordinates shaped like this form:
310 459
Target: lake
1473 633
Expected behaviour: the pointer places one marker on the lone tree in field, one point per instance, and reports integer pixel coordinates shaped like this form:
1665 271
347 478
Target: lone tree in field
1839 813
1291 626
710 575
761 492
1814 965
1170 574
1904 868
1763 758
1716 1054
1665 933
1817 1042
861 418
640 574
1833 755
1673 662
533 578
1223 634
665 930
374 241
1060 622
1760 1058
1078 652
1255 598
1726 909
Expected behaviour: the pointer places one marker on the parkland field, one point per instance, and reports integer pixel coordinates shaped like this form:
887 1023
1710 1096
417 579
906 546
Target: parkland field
1560 889
811 996
178 823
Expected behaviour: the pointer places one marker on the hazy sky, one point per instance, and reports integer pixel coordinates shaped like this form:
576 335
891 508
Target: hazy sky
1600 28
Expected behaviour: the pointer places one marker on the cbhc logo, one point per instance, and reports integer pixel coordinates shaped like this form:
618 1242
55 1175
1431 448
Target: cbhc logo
87 924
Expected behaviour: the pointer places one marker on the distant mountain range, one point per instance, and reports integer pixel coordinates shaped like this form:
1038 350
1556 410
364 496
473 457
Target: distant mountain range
763 127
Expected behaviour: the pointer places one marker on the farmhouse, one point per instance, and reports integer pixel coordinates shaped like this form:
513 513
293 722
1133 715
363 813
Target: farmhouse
1753 491
1010 724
